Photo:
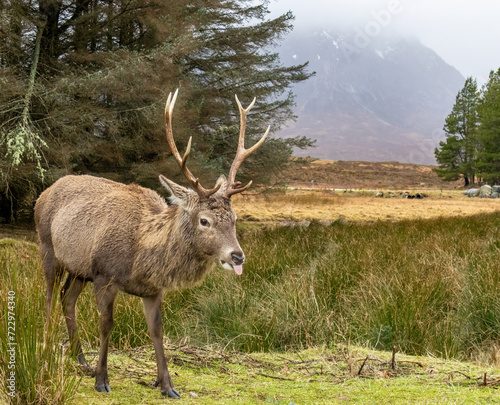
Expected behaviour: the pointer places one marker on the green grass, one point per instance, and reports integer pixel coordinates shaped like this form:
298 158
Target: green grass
314 376
427 286
42 374
423 286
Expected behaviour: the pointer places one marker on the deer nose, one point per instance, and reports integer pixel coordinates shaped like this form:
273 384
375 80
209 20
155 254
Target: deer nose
237 258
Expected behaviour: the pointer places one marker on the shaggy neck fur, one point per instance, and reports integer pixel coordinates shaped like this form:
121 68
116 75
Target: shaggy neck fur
168 259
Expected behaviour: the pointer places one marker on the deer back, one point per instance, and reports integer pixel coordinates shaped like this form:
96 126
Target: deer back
91 220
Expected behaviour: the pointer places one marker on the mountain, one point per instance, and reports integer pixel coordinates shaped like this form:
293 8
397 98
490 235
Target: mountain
375 99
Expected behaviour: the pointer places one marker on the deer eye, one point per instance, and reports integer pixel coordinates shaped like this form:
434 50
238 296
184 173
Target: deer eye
204 222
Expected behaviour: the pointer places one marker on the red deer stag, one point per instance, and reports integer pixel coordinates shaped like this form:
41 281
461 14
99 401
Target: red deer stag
127 238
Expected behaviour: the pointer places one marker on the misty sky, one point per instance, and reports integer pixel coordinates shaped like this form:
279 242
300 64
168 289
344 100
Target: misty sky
465 33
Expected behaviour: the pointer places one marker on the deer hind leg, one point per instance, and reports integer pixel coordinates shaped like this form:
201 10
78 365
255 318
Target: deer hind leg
105 296
152 310
69 295
53 273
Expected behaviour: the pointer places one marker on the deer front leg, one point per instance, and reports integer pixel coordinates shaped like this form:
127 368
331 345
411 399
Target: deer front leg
105 296
152 310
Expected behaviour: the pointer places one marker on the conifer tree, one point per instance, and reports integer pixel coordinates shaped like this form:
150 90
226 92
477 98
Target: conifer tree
103 73
236 57
457 155
489 130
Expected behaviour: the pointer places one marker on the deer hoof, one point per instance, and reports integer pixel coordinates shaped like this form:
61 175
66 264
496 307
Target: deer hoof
103 388
171 393
88 371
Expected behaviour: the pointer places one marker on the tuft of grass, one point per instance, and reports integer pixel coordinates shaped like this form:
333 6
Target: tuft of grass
34 361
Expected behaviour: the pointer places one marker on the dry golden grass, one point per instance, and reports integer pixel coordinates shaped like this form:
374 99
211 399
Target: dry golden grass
299 205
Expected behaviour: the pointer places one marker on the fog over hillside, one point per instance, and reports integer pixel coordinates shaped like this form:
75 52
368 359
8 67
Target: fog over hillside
375 98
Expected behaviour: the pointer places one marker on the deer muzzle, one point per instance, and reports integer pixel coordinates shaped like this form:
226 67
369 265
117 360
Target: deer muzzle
236 264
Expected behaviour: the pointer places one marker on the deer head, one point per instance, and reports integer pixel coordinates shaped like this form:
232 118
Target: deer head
207 213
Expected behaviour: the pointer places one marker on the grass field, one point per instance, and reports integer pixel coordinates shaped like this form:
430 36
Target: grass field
358 206
313 319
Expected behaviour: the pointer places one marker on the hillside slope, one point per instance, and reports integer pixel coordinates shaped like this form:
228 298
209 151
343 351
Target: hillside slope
384 101
366 175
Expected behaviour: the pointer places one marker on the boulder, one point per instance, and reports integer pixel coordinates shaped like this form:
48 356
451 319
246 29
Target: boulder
496 189
485 191
473 192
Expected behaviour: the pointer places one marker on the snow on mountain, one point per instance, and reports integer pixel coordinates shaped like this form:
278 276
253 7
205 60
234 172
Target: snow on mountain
376 99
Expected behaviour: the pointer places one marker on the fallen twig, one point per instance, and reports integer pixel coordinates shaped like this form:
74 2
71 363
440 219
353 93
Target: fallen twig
411 362
275 377
393 360
458 372
363 365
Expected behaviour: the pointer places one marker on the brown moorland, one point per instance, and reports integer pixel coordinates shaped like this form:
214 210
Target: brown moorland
365 175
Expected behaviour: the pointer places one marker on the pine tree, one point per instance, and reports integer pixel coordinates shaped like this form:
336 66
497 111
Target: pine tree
103 73
236 58
457 156
489 130
448 158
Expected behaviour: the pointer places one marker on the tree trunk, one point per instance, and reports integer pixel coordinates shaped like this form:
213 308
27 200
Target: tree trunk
50 11
33 71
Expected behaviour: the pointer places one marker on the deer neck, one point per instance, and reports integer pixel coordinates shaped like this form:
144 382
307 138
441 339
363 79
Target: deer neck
167 257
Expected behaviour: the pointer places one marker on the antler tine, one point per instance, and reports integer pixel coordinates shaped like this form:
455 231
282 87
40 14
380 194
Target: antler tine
241 152
236 189
182 161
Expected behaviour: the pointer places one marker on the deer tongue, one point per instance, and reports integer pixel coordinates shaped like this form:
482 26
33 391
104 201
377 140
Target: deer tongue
238 269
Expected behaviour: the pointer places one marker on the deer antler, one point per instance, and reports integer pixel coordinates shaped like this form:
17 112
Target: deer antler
202 192
242 153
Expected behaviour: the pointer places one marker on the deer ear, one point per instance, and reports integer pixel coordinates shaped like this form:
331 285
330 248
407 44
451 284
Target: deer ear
223 182
179 195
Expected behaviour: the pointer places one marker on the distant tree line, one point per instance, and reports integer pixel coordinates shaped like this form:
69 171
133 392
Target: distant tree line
83 84
472 146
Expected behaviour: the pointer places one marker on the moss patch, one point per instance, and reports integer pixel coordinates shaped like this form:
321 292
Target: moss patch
313 376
